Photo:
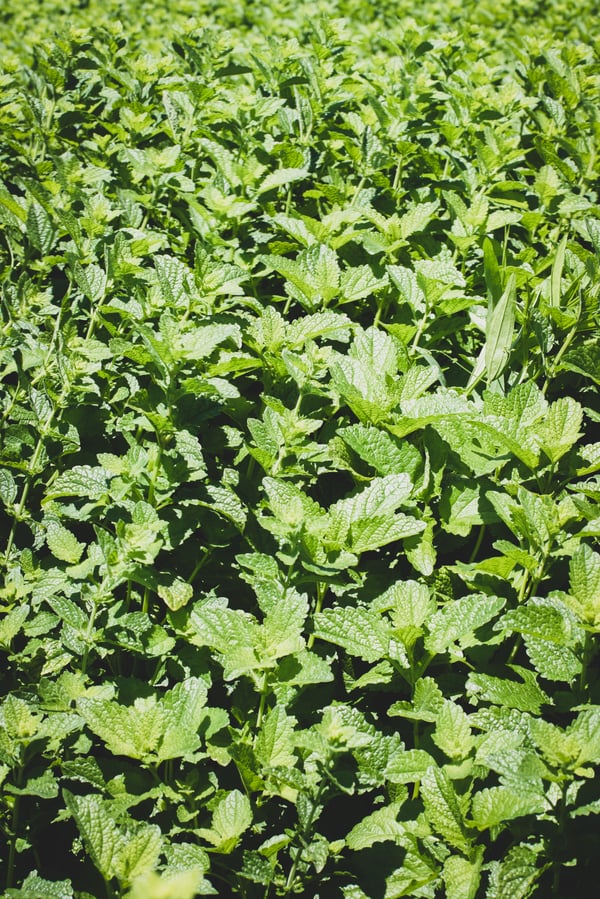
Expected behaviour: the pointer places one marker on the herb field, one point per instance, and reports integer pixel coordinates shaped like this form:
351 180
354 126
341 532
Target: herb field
299 459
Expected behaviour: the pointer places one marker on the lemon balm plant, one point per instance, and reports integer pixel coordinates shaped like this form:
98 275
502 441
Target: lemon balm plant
298 476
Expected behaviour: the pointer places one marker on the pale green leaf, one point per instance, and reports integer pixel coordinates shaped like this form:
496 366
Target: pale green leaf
561 428
200 342
379 449
499 331
496 805
584 573
360 281
8 487
442 808
232 816
379 827
98 830
36 887
279 178
360 632
183 710
275 741
457 621
426 704
514 877
452 731
462 876
139 853
281 631
333 325
12 622
62 543
176 594
525 695
80 480
408 766
134 731
170 885
371 533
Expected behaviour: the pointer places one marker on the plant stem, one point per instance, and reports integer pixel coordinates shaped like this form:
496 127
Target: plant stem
321 591
27 485
264 690
14 826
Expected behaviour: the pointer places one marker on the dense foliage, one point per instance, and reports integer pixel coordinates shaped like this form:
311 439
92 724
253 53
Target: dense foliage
298 479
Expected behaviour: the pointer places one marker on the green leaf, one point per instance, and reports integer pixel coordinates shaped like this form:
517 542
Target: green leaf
232 816
499 331
281 177
584 361
381 450
561 428
524 695
496 805
515 875
98 830
176 594
408 766
91 280
426 704
8 487
379 500
357 630
462 876
456 622
274 744
62 543
139 853
493 276
170 885
551 634
12 622
452 731
282 628
584 573
151 730
198 343
358 282
36 887
379 827
442 808
80 480
184 711
556 275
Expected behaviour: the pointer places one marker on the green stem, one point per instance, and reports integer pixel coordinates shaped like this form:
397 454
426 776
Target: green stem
562 820
321 591
559 356
299 849
88 638
478 543
264 692
585 661
154 475
358 189
198 566
27 485
14 826
420 328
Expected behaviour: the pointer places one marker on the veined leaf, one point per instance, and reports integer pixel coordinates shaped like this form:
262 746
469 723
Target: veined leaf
496 805
231 818
357 630
457 621
442 808
379 827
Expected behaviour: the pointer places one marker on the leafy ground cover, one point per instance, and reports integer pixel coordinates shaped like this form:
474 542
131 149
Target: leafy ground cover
299 479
